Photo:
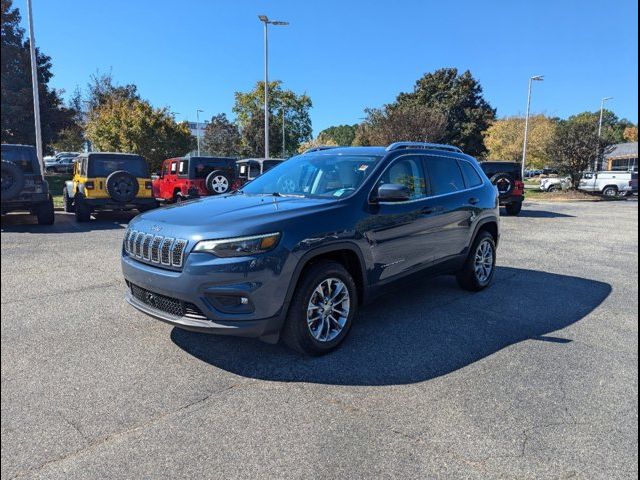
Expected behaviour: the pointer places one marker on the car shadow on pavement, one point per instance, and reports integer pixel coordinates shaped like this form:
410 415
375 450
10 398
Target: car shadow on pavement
66 223
526 213
418 333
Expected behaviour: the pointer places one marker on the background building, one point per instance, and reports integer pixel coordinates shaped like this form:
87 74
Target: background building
623 157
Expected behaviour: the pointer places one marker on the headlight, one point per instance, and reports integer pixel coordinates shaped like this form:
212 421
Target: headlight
239 247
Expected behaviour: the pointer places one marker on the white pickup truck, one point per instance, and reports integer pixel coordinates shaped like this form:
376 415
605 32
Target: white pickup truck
609 184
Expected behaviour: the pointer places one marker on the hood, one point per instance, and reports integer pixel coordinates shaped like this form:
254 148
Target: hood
226 215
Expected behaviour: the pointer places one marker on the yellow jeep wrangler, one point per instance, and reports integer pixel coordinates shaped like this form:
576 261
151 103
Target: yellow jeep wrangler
108 181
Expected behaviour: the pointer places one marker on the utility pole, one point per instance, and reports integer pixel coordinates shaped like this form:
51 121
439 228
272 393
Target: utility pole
536 78
595 166
198 129
34 85
264 19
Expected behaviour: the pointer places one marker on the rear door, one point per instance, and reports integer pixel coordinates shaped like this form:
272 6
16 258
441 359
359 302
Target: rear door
453 205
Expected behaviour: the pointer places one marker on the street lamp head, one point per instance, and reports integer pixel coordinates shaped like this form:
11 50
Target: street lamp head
263 18
199 111
284 24
607 98
537 78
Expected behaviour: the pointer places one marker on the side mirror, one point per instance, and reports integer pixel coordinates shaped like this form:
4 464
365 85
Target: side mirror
393 192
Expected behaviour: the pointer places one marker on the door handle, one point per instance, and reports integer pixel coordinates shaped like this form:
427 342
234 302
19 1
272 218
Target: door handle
474 201
430 210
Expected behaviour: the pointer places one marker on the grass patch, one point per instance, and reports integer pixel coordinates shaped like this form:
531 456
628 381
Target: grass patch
56 184
568 196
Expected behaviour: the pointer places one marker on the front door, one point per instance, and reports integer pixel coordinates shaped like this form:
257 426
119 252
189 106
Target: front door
399 233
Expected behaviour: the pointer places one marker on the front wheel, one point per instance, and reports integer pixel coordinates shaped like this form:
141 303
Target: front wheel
322 309
83 211
45 212
480 266
514 209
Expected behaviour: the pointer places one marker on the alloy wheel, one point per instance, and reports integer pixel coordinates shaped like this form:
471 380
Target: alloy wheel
328 309
220 184
484 261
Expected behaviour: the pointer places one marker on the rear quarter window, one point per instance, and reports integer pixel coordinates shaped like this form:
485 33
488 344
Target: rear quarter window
470 175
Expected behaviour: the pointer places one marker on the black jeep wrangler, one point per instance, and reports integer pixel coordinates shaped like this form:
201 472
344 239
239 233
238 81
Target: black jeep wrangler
507 177
23 187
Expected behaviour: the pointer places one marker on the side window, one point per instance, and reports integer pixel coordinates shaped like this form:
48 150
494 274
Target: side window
445 175
470 175
174 167
254 170
183 168
407 171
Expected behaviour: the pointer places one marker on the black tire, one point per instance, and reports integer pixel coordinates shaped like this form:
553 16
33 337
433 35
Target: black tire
505 183
218 183
45 212
467 277
67 201
513 209
553 189
122 186
296 333
82 209
611 191
12 180
146 208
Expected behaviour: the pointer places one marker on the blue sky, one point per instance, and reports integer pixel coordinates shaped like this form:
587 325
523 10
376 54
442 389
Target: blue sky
348 55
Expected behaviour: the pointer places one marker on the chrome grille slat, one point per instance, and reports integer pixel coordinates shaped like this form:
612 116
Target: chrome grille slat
138 244
165 251
177 252
146 244
155 249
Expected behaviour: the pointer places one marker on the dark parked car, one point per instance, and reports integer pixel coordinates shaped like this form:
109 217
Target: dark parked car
297 251
64 164
191 177
23 187
248 169
507 177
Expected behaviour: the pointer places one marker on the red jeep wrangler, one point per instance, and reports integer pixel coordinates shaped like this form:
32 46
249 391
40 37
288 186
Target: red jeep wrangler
191 177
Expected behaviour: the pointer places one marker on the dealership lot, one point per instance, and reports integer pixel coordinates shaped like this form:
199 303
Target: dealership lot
535 377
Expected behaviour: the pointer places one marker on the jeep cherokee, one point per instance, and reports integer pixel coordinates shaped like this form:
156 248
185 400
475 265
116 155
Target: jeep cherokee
108 181
295 252
23 187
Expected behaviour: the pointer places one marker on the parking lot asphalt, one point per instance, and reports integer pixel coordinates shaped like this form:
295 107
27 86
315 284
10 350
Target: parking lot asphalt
536 377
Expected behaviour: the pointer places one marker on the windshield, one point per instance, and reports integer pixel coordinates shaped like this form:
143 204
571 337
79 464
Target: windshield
327 176
105 165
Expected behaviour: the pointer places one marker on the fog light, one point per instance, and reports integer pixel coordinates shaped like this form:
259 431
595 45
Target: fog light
244 301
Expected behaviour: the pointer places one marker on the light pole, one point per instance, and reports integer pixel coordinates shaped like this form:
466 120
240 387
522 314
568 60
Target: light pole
283 136
198 129
264 19
605 99
535 78
34 86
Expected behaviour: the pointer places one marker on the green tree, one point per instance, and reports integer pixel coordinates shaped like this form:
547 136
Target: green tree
396 123
340 135
222 137
459 98
249 111
574 147
16 118
133 125
505 137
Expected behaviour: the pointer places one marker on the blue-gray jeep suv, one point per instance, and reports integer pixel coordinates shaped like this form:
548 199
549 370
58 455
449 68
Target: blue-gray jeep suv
298 250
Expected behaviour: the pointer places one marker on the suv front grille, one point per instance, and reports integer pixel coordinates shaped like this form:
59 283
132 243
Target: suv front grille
166 251
169 305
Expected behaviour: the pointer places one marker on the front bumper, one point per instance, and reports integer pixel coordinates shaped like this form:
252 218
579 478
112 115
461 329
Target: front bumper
214 287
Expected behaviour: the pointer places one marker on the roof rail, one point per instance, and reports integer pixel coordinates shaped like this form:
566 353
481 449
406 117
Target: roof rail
426 146
320 148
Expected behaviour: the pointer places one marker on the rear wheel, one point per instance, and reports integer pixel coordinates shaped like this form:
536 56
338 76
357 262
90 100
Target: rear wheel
322 309
45 212
553 189
480 266
82 209
514 209
610 191
68 202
